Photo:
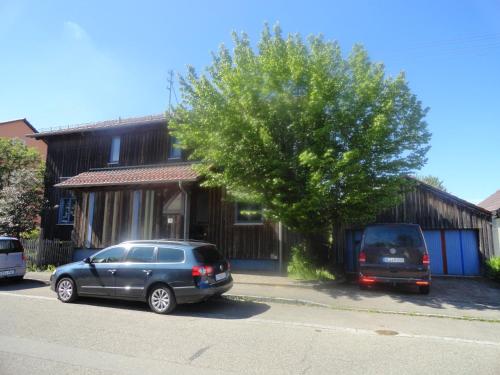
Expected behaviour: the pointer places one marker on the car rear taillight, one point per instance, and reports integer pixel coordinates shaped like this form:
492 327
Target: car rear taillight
426 260
367 280
202 271
362 257
422 283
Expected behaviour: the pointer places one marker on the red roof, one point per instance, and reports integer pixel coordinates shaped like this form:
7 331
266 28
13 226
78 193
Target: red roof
492 203
132 176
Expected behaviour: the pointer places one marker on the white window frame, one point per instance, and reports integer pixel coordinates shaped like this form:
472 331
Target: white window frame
114 152
172 150
236 222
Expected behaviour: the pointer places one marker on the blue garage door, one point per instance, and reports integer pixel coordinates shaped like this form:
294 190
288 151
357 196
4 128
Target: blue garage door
452 252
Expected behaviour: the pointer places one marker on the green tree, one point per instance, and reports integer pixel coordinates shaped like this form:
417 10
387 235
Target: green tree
21 187
314 137
15 155
433 181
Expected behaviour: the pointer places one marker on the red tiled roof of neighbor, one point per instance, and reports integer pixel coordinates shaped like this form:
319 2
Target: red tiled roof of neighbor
492 203
103 125
146 175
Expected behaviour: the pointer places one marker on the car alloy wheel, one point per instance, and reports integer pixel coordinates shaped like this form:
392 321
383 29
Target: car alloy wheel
162 300
66 290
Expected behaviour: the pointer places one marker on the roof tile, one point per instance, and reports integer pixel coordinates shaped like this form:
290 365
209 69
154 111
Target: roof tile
132 176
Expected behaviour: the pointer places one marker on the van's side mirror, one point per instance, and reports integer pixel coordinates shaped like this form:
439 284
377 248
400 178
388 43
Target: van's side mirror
87 260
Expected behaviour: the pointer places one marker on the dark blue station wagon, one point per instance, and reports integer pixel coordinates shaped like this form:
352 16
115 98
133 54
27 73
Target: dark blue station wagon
162 272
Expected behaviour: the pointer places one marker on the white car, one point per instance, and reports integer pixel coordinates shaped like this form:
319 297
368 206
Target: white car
12 259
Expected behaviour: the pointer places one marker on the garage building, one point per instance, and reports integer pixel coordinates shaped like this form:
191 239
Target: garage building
458 233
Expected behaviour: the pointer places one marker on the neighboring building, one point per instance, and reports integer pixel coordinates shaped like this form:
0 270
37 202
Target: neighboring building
118 180
20 129
458 233
492 203
123 179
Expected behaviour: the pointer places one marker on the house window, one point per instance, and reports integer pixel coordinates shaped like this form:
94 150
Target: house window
248 213
66 211
114 155
174 151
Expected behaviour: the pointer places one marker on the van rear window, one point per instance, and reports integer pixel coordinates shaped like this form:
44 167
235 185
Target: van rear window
207 254
393 236
10 246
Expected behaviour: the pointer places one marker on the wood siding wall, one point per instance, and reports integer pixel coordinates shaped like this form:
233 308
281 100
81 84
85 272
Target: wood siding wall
69 155
432 210
112 222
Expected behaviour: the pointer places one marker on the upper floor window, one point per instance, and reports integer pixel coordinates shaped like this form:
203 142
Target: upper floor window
114 155
174 151
66 211
248 213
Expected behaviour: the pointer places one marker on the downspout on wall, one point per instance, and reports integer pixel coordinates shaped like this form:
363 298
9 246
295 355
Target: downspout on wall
186 211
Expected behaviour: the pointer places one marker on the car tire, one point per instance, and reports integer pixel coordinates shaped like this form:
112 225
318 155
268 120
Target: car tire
66 290
424 289
161 299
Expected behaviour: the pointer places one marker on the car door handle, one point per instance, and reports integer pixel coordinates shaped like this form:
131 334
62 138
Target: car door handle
148 272
112 271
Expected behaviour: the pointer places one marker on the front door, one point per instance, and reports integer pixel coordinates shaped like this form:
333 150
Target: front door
132 275
98 277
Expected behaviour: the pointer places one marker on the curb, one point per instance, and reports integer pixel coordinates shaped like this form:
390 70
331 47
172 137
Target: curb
301 302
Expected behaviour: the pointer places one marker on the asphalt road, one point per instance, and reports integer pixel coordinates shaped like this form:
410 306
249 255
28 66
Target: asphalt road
40 335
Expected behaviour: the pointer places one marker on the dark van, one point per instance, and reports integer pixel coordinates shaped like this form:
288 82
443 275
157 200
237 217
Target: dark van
394 254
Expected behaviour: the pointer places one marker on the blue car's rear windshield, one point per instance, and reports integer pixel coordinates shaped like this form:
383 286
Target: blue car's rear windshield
207 254
404 236
10 246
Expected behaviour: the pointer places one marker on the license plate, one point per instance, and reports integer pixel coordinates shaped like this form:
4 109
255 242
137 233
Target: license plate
220 276
393 260
7 273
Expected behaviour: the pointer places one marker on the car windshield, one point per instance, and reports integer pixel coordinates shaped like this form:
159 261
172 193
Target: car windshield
207 254
393 236
10 246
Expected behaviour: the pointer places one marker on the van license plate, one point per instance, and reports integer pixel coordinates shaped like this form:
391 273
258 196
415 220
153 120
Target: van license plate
7 273
220 276
393 260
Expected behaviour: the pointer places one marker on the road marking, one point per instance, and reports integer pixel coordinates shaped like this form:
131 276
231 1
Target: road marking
355 331
28 296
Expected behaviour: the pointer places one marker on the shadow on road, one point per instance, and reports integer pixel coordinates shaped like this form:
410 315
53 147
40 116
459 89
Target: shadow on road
9 285
463 294
212 309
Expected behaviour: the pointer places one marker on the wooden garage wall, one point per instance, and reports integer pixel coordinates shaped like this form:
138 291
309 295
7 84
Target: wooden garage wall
433 209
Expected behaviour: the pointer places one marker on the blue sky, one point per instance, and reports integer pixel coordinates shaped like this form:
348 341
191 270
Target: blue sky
68 62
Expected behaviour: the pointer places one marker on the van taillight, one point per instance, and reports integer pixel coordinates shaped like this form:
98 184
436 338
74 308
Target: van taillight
24 258
426 260
362 257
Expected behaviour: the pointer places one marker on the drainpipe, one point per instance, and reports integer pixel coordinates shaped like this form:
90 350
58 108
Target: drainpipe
280 247
184 192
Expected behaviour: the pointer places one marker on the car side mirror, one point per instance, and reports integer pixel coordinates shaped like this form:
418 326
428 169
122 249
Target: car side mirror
87 260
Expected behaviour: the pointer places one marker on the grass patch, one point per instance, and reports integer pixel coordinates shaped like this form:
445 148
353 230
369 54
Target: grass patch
301 267
493 268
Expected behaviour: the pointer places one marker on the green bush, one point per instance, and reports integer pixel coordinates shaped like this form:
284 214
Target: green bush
31 235
301 267
34 268
493 268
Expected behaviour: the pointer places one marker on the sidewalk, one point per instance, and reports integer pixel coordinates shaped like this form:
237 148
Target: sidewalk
458 298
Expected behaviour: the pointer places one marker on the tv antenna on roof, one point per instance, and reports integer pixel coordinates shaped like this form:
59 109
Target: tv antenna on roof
171 89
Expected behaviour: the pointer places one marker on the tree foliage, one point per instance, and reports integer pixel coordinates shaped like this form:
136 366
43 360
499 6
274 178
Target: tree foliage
433 181
314 137
21 192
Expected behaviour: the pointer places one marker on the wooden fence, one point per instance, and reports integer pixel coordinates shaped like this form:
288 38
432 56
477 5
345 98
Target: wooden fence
44 252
